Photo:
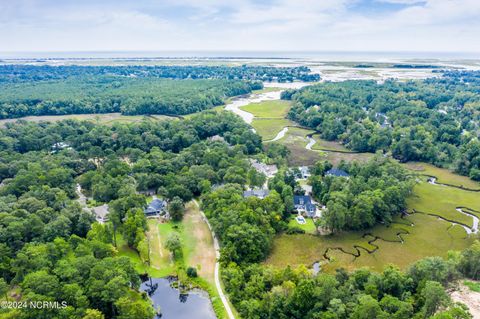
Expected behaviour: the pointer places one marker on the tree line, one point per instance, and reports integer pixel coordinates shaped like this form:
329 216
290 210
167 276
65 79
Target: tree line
434 120
29 73
107 94
373 193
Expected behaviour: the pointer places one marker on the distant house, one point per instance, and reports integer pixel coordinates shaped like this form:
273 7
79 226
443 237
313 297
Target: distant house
259 193
268 170
336 172
101 213
304 172
157 208
216 138
60 146
303 204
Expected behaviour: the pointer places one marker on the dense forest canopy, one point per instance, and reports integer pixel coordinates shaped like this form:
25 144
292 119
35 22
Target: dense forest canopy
107 94
29 73
49 247
436 120
372 193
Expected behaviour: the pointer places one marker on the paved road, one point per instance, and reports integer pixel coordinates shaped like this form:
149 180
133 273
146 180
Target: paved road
217 267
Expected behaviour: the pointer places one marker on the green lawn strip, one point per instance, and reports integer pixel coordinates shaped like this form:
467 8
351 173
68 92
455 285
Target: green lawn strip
268 109
140 267
309 227
474 286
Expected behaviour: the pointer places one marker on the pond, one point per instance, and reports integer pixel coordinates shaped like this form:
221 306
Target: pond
175 305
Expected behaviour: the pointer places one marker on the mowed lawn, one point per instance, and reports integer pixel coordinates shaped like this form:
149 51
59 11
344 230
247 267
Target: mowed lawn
160 257
141 267
309 227
198 246
268 109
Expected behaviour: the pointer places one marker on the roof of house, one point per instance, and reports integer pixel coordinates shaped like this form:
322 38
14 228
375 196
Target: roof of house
216 138
101 211
311 208
156 205
268 170
305 170
256 192
336 172
302 200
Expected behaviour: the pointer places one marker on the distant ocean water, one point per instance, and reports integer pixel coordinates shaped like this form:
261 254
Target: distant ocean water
313 55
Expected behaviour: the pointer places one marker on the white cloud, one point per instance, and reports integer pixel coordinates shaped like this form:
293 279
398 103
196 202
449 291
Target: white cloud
433 25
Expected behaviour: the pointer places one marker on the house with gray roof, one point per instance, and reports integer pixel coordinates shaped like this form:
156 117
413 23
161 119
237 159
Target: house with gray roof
336 172
259 193
157 207
304 204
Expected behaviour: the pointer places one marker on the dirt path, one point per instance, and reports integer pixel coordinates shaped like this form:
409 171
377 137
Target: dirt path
156 250
217 267
203 254
469 298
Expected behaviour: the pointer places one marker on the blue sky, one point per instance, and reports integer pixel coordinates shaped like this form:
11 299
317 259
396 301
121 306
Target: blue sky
240 25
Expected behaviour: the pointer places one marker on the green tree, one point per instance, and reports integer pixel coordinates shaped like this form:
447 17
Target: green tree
367 308
435 298
139 309
4 288
93 314
173 243
176 208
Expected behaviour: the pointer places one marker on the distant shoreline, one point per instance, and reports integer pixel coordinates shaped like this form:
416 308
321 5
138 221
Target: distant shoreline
275 55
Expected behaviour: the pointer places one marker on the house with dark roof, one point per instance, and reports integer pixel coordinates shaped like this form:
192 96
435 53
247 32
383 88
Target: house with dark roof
157 208
336 172
259 193
303 204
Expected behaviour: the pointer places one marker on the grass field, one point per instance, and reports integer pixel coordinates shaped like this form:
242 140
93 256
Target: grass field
309 227
405 241
268 109
429 237
443 200
269 128
322 144
296 141
472 285
124 250
107 118
198 247
443 175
